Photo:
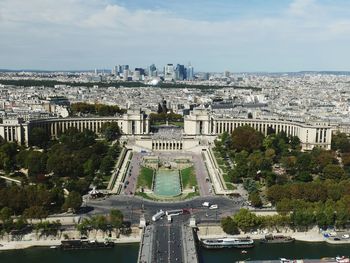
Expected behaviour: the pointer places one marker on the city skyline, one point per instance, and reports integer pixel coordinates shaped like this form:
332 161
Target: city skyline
269 36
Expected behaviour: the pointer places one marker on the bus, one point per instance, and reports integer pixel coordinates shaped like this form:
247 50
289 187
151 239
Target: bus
158 215
174 212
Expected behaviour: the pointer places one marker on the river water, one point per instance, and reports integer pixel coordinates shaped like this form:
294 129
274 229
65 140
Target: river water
128 253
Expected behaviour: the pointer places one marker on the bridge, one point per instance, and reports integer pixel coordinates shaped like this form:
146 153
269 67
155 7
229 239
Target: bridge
168 242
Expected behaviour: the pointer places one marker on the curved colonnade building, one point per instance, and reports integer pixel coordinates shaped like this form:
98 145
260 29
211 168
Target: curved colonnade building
201 127
316 134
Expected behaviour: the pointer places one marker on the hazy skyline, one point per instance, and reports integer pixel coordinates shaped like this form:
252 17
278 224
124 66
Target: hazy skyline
266 35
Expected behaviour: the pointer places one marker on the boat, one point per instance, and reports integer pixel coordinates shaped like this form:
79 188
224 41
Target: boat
342 259
228 242
338 259
274 239
75 244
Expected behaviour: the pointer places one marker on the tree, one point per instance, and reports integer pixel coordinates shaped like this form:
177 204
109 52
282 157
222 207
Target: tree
302 218
284 206
304 162
229 226
340 141
116 218
106 165
73 201
255 199
39 137
36 163
99 222
8 152
289 163
99 109
111 131
333 171
5 214
246 220
322 158
35 212
250 185
76 140
270 178
241 164
294 142
246 138
304 176
256 161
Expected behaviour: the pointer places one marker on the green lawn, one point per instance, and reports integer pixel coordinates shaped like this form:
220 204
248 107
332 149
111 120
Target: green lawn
145 178
230 186
188 177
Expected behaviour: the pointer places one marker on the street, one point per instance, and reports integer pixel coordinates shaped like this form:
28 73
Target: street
133 207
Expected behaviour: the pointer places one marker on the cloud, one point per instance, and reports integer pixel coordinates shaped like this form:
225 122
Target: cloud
91 33
301 7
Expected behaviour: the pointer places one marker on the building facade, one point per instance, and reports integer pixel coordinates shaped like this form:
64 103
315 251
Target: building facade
134 122
203 122
201 127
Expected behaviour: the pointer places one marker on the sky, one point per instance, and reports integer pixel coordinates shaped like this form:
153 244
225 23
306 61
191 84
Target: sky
212 35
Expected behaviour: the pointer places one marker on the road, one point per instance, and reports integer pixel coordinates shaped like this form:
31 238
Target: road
167 242
133 207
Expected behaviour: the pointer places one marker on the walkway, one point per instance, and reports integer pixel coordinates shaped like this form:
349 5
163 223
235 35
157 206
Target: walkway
201 175
119 183
133 173
215 174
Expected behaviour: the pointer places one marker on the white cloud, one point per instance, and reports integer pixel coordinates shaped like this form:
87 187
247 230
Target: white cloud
88 33
301 7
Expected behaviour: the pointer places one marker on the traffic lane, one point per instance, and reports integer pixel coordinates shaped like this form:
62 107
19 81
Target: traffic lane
168 240
201 175
127 204
175 242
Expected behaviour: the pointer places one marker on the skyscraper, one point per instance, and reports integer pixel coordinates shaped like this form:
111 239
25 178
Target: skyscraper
152 71
180 72
169 73
190 72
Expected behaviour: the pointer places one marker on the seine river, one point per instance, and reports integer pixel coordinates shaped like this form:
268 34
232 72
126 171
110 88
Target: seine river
128 254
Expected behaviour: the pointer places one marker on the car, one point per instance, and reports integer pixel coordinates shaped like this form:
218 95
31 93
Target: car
213 207
345 236
206 204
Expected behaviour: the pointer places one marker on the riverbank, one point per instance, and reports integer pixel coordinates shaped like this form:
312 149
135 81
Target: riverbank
313 235
32 239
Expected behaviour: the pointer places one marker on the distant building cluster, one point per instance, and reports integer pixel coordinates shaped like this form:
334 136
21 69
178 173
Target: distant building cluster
318 100
169 73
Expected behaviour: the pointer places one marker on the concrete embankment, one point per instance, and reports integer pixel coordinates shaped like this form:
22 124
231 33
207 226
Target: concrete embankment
8 242
313 235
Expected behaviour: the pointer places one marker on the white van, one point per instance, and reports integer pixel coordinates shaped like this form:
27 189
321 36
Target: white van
206 204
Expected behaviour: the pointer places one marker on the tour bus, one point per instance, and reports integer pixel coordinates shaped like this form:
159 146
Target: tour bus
174 212
158 215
